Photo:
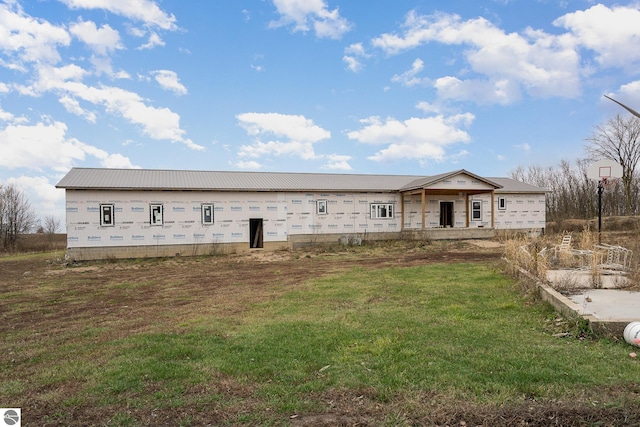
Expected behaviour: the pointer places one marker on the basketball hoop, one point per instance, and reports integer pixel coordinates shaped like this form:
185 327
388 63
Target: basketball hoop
609 183
607 173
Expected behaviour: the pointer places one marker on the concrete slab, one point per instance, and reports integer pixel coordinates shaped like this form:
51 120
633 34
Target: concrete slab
609 304
608 308
581 279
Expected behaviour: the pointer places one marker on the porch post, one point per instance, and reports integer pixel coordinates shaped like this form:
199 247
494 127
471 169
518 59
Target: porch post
424 203
466 208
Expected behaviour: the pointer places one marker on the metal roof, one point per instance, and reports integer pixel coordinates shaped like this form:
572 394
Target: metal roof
154 179
150 179
513 186
428 180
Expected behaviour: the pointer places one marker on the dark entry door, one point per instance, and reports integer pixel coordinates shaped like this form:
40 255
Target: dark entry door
255 232
446 214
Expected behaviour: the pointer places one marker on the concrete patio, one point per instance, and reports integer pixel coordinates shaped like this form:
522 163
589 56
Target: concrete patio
607 307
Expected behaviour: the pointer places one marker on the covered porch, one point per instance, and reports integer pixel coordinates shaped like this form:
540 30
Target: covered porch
457 200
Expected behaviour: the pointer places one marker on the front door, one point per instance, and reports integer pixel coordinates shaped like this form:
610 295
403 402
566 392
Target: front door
255 232
446 214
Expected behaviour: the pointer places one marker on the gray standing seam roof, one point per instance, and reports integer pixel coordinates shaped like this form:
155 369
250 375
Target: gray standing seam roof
150 179
154 179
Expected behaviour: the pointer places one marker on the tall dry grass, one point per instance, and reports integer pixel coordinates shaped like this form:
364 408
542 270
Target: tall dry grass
527 253
39 242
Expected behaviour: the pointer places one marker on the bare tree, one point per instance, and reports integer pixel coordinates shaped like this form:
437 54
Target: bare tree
619 140
50 225
571 194
16 216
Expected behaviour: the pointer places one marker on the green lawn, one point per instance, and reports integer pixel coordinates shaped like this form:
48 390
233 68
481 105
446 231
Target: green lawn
391 341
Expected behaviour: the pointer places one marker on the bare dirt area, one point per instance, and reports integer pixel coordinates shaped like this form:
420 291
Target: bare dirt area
119 299
199 282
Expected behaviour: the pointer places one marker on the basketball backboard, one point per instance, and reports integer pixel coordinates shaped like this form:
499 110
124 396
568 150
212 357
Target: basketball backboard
604 169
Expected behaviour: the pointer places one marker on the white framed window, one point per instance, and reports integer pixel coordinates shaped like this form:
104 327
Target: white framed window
502 203
381 210
107 215
476 210
156 211
321 207
207 213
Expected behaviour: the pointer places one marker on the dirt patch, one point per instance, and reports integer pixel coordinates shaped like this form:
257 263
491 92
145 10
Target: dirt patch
71 270
492 244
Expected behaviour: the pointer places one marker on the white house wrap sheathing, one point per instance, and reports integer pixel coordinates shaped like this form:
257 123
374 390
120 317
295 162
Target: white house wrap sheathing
281 213
286 205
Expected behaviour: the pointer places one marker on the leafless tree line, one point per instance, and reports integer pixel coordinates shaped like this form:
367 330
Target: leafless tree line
573 195
18 218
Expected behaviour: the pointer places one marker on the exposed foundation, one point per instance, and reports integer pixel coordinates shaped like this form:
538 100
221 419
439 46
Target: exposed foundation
294 242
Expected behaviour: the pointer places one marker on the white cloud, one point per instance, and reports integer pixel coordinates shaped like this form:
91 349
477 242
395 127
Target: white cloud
352 55
427 107
49 199
541 64
456 158
121 75
294 135
414 138
107 160
135 31
612 33
250 165
523 147
154 40
337 162
503 91
357 49
146 11
308 14
101 40
353 64
46 146
5 116
280 135
169 80
73 106
409 79
27 39
157 123
629 94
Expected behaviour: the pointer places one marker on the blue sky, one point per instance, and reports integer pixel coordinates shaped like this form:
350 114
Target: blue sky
330 86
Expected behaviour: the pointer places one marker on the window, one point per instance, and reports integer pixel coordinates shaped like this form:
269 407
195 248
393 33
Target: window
502 203
156 211
381 210
207 213
476 210
321 207
106 216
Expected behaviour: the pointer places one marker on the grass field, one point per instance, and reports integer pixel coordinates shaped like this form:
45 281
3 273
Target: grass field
386 337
